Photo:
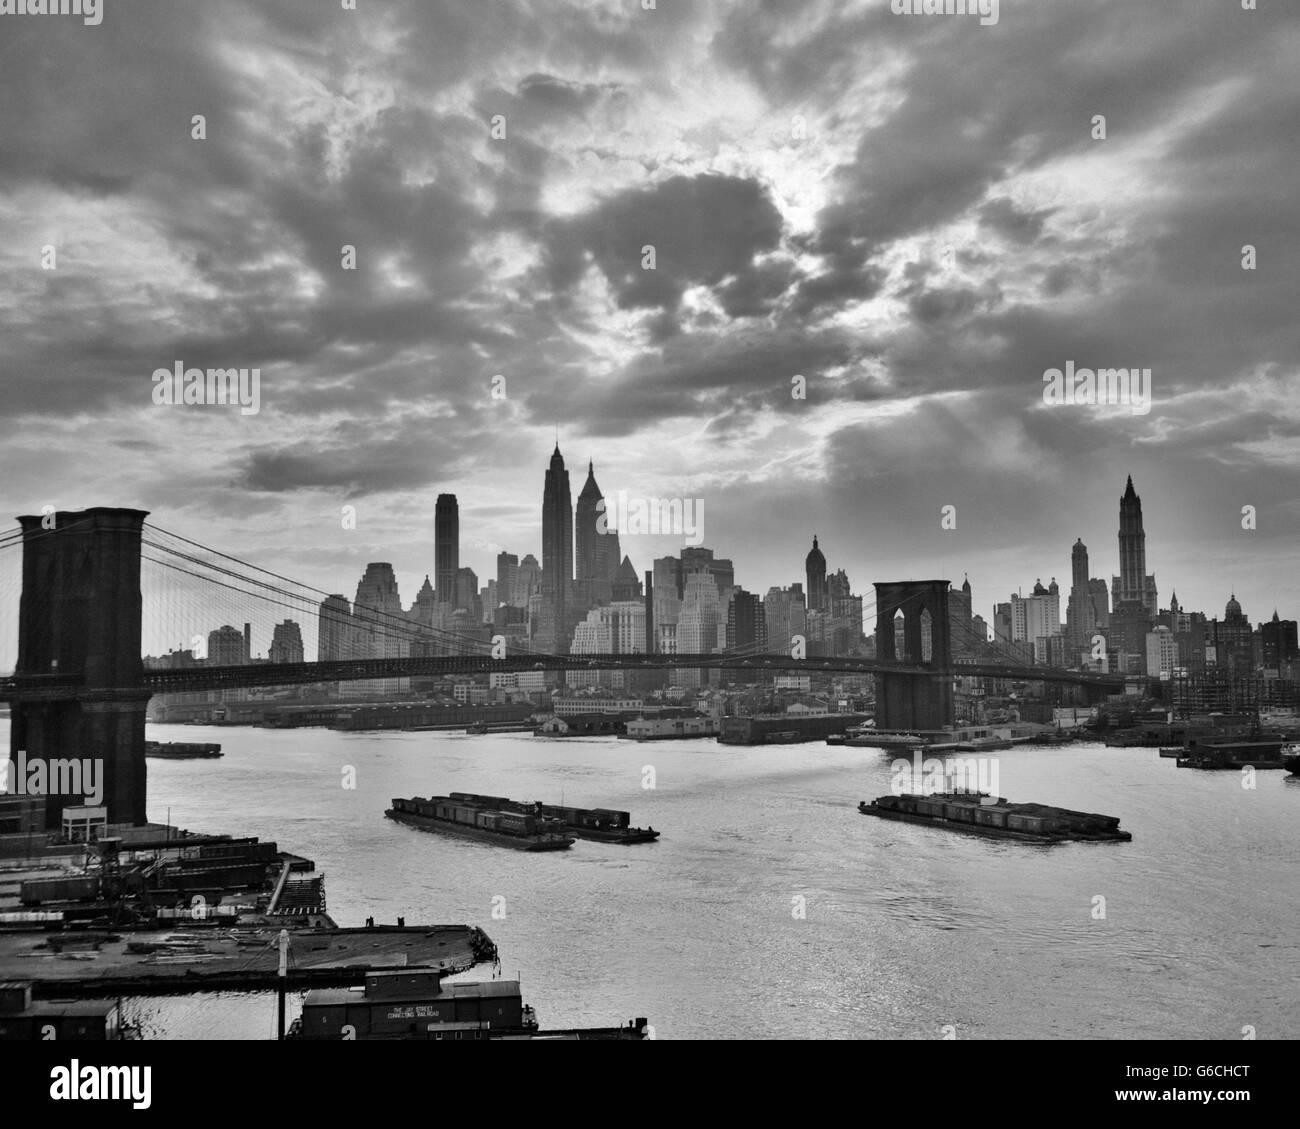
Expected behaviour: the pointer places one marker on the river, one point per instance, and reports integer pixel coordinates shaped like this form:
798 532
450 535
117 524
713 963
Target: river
902 930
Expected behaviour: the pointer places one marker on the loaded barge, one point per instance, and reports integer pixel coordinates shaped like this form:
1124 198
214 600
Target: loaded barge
1258 753
181 750
457 815
601 825
996 817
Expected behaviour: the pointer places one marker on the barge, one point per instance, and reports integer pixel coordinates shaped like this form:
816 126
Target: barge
600 825
181 750
448 815
413 1005
980 814
1257 753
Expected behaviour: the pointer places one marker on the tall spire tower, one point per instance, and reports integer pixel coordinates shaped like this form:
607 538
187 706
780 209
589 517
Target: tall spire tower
557 547
1133 585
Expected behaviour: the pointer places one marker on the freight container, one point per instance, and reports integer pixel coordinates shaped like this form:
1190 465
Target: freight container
34 891
991 817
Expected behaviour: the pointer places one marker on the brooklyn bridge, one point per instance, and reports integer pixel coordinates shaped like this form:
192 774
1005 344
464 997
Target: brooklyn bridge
80 688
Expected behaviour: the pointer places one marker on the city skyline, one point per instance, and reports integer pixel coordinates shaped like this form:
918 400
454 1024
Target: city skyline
1130 541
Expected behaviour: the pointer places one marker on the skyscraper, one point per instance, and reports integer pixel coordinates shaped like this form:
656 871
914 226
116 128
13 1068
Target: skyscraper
557 553
507 577
1036 618
528 581
696 558
697 625
381 625
1133 592
592 549
334 630
815 569
1133 585
446 548
467 594
228 646
1080 611
627 585
746 625
286 643
596 554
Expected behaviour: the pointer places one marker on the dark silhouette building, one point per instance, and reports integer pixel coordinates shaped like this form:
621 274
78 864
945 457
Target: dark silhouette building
557 556
627 585
446 548
815 571
1278 640
1133 585
1081 610
746 623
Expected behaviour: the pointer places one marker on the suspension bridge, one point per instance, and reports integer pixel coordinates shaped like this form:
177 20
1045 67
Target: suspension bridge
94 584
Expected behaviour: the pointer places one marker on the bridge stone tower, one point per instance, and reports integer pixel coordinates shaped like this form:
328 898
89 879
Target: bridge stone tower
79 620
914 701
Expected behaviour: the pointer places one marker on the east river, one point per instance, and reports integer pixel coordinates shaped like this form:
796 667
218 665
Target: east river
770 907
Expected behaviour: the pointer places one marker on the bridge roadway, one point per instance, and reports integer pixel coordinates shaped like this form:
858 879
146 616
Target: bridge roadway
200 678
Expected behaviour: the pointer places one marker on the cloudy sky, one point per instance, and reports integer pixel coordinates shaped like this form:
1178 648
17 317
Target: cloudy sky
910 212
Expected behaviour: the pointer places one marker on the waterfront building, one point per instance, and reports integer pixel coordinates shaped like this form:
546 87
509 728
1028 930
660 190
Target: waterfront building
1278 644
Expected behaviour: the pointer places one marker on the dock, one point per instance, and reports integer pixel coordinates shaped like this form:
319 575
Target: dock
211 958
